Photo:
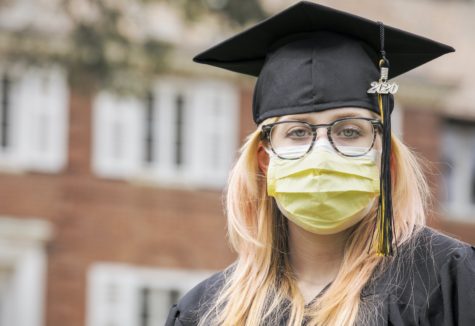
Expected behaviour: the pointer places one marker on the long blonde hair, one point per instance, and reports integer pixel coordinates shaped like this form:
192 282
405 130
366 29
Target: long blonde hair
260 288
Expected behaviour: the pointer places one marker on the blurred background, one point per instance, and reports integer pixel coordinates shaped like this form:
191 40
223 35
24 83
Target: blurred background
115 147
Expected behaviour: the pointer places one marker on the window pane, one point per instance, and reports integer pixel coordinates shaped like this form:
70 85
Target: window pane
145 306
472 172
5 112
117 140
150 132
118 135
159 303
458 150
5 297
179 104
155 304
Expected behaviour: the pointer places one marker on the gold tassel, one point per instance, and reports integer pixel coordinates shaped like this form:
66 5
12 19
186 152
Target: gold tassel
385 213
385 221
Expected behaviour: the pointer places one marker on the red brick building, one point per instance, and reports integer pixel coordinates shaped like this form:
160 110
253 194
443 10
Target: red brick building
111 207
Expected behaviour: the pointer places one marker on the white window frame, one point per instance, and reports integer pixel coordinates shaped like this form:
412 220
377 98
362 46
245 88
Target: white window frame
22 250
39 108
10 156
111 111
209 106
397 118
113 295
199 97
459 140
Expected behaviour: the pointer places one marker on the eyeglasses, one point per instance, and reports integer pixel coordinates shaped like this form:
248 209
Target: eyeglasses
292 140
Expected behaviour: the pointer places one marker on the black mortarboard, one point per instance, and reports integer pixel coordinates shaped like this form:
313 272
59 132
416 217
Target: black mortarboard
310 58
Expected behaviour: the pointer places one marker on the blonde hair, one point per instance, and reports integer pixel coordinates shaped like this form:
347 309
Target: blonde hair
260 288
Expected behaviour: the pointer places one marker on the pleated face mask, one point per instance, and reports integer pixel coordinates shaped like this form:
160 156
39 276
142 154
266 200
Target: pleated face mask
324 192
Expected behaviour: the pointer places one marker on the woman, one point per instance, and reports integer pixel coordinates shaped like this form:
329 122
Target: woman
326 210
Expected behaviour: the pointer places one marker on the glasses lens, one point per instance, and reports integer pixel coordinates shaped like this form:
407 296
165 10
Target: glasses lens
353 137
291 140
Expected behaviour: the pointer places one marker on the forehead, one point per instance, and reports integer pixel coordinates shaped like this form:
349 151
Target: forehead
330 115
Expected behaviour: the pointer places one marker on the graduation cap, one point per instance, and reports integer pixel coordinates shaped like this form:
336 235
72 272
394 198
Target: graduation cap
310 58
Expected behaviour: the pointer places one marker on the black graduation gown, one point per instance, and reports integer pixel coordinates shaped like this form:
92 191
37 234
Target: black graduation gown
431 284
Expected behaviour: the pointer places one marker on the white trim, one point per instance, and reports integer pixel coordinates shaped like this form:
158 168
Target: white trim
215 115
117 127
458 146
114 292
22 252
39 120
397 118
209 133
211 109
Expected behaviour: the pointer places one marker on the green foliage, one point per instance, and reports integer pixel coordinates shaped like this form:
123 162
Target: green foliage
103 53
98 51
237 12
243 11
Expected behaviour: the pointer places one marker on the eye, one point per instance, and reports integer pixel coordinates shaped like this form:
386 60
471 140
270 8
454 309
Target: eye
350 133
299 132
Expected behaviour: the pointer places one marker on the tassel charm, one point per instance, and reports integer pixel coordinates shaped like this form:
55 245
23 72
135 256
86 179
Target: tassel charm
383 86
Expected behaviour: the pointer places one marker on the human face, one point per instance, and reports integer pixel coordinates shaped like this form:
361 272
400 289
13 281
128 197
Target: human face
324 191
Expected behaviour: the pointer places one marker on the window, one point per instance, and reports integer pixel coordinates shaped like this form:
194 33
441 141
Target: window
183 133
33 119
117 126
196 130
122 295
458 149
22 270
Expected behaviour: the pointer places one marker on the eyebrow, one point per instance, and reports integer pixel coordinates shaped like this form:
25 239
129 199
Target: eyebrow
336 116
349 115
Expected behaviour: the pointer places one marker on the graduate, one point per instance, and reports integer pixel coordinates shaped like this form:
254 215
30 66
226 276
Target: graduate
326 208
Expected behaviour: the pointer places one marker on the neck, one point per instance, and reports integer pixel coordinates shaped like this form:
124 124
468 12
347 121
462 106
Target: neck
315 258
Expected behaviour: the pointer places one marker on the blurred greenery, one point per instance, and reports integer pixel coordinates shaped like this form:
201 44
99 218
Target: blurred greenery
238 12
99 52
103 53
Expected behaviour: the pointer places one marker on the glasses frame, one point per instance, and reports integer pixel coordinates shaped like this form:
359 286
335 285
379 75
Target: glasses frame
266 131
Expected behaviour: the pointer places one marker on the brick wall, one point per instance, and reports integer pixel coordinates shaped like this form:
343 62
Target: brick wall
421 132
98 220
111 221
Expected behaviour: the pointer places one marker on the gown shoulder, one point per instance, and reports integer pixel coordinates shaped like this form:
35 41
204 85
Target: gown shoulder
452 300
431 281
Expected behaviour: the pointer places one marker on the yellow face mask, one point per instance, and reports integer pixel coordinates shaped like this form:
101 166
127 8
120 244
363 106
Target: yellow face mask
324 192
